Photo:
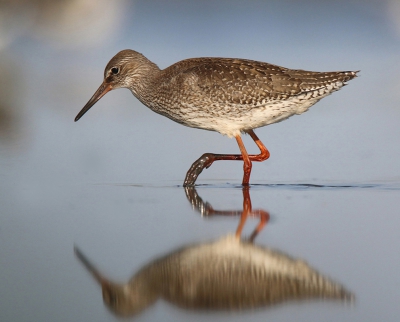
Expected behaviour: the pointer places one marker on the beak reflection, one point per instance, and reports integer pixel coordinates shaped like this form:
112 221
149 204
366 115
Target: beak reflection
229 273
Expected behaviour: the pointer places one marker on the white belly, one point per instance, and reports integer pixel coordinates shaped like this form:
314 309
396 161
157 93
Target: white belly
232 125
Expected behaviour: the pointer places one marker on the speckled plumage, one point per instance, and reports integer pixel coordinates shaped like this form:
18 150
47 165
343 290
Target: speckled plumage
230 96
227 95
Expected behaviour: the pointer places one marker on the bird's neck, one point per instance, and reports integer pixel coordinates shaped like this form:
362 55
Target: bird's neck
143 81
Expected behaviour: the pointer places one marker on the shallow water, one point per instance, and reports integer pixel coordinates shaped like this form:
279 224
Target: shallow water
348 234
111 184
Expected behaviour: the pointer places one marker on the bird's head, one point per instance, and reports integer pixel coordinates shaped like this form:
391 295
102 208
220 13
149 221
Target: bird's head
125 70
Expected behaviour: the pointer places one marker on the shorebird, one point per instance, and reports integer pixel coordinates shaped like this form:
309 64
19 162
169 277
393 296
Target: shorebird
227 95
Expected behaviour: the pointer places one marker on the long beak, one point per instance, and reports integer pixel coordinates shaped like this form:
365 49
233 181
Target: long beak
103 90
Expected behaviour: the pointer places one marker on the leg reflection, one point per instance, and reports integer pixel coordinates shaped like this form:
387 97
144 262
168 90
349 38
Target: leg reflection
207 210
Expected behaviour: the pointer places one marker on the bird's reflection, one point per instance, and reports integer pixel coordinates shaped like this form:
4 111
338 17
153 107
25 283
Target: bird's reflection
229 274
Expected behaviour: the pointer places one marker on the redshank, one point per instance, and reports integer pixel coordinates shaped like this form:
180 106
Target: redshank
226 95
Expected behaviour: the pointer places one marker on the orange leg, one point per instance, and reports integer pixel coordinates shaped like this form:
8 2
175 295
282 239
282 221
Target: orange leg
207 159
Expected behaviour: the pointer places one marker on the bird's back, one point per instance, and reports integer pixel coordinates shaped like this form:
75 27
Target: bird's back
234 95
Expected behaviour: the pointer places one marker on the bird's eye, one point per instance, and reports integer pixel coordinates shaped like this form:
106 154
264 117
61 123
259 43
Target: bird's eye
115 70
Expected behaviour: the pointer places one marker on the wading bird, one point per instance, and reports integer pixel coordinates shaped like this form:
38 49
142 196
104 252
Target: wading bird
226 95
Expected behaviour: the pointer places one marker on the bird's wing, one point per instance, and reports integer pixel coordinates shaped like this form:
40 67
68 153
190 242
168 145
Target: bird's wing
252 83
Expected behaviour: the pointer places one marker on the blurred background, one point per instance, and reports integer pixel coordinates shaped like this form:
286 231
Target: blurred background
59 179
53 54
